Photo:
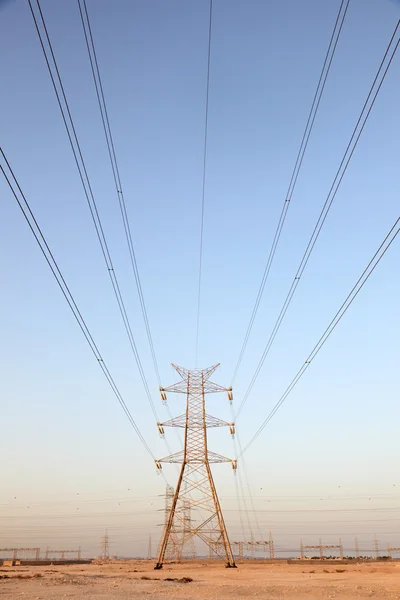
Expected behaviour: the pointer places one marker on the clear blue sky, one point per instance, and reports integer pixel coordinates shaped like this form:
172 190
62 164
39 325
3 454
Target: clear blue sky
66 447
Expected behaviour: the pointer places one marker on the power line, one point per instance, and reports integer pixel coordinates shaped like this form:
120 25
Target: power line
369 269
87 29
296 169
115 169
40 239
239 483
358 129
80 163
204 185
239 506
257 523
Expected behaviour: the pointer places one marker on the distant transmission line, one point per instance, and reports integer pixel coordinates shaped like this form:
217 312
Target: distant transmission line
369 269
358 129
296 170
52 263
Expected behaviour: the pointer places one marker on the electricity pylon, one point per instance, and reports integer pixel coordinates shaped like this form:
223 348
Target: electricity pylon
357 550
187 531
105 547
174 550
196 482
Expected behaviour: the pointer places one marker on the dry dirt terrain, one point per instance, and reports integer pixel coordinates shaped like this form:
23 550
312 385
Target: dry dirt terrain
137 580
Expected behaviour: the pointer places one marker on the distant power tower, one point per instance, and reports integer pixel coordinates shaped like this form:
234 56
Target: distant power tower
174 549
391 550
62 553
196 483
105 547
187 532
15 551
376 547
239 546
321 547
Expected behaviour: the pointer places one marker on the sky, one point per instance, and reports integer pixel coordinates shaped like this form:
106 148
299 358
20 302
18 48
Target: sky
327 464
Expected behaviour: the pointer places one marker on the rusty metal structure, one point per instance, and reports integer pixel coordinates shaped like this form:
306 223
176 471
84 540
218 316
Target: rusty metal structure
195 482
321 547
62 553
16 550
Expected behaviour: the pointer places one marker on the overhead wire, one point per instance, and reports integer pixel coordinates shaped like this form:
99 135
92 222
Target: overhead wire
237 476
351 146
203 184
87 187
246 479
296 170
97 79
87 29
246 509
239 506
365 275
52 263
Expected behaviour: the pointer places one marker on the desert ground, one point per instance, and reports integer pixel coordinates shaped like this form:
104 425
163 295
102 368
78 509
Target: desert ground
195 580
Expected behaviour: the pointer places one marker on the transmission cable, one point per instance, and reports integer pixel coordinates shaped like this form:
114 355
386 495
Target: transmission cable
90 45
369 269
296 169
80 163
257 523
115 169
41 240
237 475
203 185
358 129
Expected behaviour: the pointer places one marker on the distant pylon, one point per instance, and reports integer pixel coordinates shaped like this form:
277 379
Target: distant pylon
195 481
174 550
376 547
149 552
240 549
271 546
357 550
104 547
187 533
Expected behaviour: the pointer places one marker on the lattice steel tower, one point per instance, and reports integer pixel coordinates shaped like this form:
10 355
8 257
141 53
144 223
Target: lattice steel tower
195 481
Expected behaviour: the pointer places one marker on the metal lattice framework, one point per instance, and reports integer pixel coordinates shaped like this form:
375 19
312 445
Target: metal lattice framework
105 546
321 547
239 547
187 532
263 545
16 550
174 549
195 482
391 550
62 553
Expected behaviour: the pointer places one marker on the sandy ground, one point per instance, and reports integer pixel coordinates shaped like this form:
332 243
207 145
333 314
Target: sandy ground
128 579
